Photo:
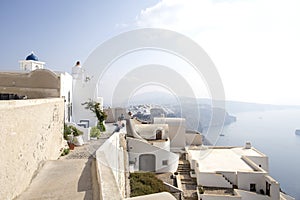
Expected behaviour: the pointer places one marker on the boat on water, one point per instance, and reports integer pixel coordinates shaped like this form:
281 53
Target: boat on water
297 132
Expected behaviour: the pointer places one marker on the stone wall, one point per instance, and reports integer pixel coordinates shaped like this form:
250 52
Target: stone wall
40 83
30 133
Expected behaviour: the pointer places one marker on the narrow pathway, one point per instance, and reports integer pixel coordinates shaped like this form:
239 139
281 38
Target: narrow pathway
70 177
189 184
62 179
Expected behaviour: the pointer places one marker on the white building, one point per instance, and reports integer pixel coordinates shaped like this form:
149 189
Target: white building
177 131
149 148
67 93
233 173
35 82
31 63
82 81
156 147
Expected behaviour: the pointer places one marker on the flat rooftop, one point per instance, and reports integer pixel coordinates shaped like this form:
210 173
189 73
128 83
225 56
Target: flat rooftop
223 159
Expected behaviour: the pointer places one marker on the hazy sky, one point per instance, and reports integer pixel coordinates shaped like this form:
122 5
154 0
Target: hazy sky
255 44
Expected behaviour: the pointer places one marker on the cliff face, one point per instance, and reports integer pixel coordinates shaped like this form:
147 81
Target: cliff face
197 112
200 117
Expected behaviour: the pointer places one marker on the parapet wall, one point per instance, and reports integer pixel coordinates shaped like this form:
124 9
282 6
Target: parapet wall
112 167
31 133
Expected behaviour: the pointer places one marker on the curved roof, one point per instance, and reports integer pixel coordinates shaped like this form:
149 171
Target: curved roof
32 57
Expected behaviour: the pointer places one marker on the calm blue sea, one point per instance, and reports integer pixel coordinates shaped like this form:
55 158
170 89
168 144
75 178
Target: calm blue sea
272 133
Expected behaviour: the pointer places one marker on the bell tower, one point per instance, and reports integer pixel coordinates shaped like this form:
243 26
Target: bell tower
31 63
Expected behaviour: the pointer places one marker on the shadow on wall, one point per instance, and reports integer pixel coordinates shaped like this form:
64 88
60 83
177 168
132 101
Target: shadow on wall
85 183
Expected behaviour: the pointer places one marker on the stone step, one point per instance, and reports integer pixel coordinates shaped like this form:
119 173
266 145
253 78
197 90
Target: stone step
189 183
187 164
184 168
184 173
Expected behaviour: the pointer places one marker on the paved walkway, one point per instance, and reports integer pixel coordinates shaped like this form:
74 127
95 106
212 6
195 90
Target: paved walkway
62 179
70 177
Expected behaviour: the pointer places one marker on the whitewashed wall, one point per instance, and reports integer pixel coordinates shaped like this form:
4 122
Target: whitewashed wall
252 196
148 131
231 176
31 133
212 180
112 166
275 188
245 178
66 90
137 147
161 144
177 127
260 161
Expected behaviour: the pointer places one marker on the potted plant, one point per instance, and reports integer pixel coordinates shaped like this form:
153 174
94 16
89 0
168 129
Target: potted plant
201 189
68 136
77 140
100 114
67 133
95 133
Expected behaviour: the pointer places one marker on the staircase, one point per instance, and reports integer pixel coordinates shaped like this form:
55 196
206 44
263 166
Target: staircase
189 184
228 181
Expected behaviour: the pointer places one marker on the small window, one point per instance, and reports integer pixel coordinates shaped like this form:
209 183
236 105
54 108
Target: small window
252 187
165 162
158 134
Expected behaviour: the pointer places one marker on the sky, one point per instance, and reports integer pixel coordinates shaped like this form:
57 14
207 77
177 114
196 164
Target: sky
254 44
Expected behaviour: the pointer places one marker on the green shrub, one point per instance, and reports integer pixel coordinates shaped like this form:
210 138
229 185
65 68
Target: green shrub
142 183
75 131
65 152
201 189
67 131
95 132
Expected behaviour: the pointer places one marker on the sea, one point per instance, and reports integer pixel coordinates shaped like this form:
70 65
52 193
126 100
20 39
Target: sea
273 133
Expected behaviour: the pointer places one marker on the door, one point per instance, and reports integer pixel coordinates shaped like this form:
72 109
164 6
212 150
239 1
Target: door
158 134
252 187
147 162
268 186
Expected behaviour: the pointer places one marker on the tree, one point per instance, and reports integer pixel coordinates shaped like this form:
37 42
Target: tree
100 114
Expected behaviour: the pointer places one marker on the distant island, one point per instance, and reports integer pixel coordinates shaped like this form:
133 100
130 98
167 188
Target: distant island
198 112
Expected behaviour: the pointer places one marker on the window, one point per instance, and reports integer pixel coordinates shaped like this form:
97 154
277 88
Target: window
165 162
268 188
158 134
252 187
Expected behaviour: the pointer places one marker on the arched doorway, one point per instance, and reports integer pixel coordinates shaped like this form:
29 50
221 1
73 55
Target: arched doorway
147 162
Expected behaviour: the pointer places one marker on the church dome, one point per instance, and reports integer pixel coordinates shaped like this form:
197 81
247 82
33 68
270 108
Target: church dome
32 57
